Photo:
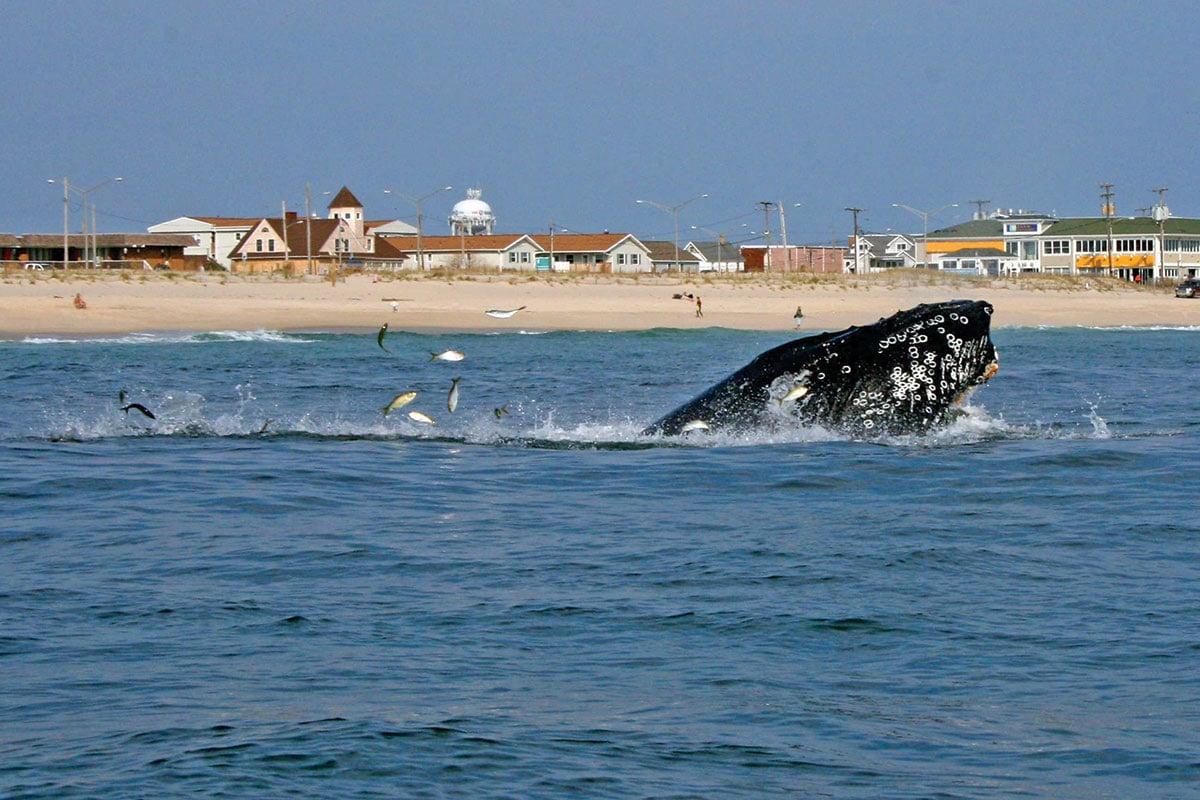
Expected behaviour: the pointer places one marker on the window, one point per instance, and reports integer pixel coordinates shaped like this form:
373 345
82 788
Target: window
620 258
635 258
1056 247
1134 245
271 245
258 245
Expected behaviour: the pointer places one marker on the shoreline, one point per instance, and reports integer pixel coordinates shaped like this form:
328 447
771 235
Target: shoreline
132 303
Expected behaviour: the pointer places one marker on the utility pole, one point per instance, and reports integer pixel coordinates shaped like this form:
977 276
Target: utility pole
855 210
308 224
1160 213
766 204
287 260
1107 194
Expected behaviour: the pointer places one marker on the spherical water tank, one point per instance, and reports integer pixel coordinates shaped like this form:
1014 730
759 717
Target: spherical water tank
472 216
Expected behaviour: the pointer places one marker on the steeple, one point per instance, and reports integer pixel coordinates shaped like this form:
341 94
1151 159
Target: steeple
347 207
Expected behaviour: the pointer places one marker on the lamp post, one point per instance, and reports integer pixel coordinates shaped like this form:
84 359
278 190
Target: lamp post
83 193
924 215
416 201
674 212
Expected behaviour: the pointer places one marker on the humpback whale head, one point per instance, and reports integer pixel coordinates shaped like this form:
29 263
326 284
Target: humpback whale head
904 374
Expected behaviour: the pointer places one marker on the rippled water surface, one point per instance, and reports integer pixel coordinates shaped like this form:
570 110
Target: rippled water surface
271 589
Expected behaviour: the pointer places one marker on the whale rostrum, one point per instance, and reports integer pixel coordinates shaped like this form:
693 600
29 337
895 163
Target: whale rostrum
904 374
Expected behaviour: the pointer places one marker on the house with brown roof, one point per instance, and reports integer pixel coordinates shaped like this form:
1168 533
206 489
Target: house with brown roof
98 250
217 238
214 237
570 252
664 257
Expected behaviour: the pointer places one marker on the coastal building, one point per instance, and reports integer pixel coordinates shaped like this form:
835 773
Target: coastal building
1149 248
718 256
879 251
234 243
213 237
571 252
98 251
664 257
793 258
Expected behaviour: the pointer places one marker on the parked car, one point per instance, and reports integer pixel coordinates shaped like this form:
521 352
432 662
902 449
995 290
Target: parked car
35 265
1188 289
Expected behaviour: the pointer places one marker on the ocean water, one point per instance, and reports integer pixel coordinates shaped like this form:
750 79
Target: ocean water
273 590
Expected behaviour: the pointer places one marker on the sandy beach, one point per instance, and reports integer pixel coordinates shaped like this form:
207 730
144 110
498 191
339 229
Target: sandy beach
41 304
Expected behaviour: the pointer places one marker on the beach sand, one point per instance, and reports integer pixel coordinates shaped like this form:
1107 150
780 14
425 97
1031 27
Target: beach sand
41 304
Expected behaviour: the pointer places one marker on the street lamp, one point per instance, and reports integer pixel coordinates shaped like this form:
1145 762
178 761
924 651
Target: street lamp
83 193
924 215
416 201
674 212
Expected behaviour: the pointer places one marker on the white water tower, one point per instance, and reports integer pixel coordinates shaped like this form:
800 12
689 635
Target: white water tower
472 217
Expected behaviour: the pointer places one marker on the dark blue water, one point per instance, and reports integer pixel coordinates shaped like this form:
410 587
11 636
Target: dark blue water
546 605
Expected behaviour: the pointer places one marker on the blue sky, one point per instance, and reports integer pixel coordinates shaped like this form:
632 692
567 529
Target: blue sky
569 112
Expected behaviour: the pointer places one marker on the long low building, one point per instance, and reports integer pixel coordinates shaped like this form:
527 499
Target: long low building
100 251
1150 249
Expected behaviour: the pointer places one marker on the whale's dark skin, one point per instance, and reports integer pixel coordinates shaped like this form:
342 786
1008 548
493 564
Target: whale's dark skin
902 375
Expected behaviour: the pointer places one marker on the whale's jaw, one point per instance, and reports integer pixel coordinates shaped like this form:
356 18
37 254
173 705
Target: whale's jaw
904 374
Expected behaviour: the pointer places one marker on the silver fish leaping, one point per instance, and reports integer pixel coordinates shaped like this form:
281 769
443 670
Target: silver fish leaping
452 398
795 394
447 355
418 416
399 401
500 313
694 425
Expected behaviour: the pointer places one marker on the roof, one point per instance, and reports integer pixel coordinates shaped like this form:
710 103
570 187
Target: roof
109 240
581 242
712 252
665 251
227 222
345 199
974 229
297 235
451 244
1122 226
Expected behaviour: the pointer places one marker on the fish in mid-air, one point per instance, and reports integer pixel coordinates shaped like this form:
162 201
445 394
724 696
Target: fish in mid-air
501 411
399 401
795 394
447 355
138 407
379 338
694 425
418 416
500 313
452 398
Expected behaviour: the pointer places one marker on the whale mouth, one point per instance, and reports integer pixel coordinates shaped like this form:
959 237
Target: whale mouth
902 374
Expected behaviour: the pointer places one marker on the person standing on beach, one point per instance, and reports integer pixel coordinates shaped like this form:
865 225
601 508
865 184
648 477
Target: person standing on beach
699 312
